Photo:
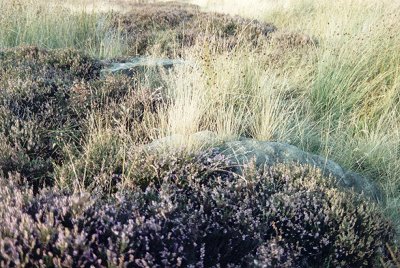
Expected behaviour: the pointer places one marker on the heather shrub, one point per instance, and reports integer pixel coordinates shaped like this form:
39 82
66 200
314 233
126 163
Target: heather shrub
46 97
193 216
129 99
167 28
38 109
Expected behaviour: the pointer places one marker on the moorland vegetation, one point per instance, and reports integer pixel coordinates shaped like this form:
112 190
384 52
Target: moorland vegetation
77 188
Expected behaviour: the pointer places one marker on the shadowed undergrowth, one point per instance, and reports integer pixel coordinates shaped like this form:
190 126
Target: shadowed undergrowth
193 211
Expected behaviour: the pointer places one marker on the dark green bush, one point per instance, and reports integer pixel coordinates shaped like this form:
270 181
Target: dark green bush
198 217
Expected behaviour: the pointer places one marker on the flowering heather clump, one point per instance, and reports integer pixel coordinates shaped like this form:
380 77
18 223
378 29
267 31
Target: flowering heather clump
38 110
45 98
280 216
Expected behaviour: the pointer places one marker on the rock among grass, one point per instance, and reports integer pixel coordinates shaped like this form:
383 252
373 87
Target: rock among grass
265 153
138 65
271 153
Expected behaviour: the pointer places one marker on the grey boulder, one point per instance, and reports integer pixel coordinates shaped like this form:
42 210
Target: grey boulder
271 153
136 65
267 153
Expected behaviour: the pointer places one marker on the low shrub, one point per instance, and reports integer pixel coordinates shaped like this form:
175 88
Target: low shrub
190 216
45 99
170 27
38 111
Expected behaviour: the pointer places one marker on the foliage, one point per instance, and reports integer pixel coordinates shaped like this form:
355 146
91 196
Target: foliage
326 82
39 110
169 28
191 215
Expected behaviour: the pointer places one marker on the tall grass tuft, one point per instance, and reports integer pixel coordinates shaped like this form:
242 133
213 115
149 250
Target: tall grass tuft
52 25
338 98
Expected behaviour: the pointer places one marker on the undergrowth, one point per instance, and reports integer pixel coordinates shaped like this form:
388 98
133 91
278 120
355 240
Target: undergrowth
323 77
195 212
